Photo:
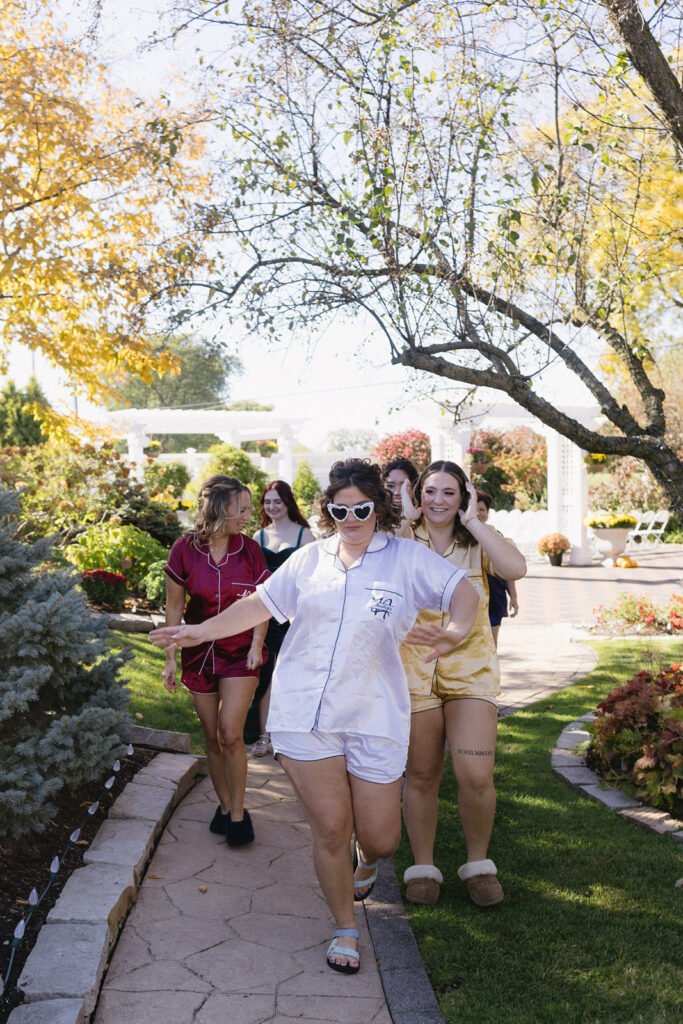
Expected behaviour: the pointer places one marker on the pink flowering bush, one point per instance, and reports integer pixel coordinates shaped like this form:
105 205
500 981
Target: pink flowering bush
639 611
411 444
628 484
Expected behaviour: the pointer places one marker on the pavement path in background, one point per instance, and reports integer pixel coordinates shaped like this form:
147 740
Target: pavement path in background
570 593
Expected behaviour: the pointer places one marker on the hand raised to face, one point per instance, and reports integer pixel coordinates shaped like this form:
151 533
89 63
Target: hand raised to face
408 507
470 512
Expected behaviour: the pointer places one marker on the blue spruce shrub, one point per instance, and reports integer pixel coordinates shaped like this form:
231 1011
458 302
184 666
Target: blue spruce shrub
62 706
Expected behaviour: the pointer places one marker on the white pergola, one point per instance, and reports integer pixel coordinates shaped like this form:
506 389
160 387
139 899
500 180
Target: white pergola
567 477
231 427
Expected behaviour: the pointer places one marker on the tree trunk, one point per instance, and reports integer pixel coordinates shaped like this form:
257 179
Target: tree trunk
661 460
649 61
667 470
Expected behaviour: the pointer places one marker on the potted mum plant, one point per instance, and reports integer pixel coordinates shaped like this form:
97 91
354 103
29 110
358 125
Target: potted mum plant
596 462
480 460
611 530
554 546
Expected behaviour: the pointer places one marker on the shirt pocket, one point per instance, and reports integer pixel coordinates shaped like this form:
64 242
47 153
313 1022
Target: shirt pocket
232 590
384 603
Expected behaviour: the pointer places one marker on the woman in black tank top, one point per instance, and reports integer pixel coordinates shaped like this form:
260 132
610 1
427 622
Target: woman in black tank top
283 531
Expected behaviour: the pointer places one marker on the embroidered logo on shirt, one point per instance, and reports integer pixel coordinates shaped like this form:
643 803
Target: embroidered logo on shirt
245 593
382 606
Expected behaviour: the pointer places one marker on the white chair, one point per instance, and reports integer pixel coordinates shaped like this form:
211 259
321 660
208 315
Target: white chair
648 529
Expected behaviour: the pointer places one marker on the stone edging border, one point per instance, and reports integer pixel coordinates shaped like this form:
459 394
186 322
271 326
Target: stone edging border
572 767
128 622
62 976
407 988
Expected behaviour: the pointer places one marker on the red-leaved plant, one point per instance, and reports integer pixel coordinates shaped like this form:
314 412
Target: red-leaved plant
104 588
638 738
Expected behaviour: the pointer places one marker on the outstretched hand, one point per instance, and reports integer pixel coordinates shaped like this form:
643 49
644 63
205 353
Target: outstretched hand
441 640
173 637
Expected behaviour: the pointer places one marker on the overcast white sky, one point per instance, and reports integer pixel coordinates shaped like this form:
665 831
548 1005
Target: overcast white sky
337 382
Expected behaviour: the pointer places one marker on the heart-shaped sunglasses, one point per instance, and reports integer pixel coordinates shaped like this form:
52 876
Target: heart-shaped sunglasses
361 511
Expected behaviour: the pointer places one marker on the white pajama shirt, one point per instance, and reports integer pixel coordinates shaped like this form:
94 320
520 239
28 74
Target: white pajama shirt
339 669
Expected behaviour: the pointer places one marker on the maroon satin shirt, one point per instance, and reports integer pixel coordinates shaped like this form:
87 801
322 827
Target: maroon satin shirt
213 588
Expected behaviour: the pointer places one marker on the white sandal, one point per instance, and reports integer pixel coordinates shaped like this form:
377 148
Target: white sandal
352 954
366 883
260 748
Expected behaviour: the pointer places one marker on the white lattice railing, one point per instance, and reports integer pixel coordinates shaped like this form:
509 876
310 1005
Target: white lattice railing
524 528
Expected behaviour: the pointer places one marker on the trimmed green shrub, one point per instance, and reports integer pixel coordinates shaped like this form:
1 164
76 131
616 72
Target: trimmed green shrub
231 461
305 487
117 547
153 584
158 518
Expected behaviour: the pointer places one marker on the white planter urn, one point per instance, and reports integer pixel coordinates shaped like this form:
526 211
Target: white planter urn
610 542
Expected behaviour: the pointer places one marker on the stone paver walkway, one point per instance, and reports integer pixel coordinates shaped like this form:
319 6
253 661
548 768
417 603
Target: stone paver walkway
536 661
236 936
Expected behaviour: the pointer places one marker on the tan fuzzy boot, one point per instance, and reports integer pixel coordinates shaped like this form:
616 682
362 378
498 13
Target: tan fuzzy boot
423 883
480 877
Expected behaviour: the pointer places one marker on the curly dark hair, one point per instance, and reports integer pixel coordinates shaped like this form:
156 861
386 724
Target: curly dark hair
285 493
367 477
215 496
462 536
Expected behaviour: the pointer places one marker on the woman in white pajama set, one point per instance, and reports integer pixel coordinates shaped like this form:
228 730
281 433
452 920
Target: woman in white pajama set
339 716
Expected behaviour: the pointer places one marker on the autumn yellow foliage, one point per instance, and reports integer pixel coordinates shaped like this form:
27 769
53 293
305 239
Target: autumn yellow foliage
96 196
608 217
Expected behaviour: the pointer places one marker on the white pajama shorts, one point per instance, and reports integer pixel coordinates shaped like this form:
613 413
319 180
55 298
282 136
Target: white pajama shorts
370 758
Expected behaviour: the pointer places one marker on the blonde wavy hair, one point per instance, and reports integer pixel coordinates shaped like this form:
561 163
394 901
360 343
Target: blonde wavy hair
216 495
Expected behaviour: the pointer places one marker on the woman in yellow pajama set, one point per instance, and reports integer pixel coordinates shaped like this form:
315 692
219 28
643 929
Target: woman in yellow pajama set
454 697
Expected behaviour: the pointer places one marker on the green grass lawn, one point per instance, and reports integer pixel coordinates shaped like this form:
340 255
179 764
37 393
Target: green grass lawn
156 708
591 927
